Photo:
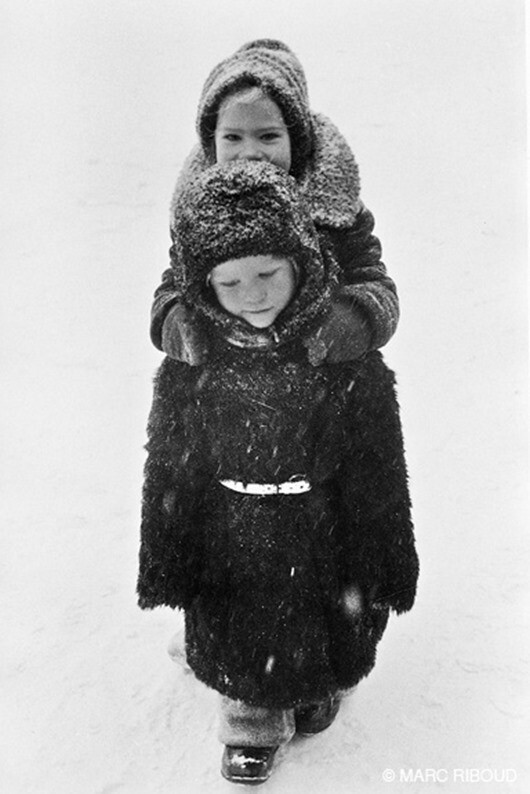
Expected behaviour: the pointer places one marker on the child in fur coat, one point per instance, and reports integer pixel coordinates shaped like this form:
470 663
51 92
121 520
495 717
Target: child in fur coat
275 510
255 106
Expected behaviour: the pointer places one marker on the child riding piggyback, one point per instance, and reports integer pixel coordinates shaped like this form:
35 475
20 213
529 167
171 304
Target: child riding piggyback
254 106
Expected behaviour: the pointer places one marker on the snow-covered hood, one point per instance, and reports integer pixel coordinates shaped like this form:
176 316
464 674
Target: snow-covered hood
249 208
272 67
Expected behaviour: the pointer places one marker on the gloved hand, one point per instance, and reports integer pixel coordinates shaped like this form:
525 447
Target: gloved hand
182 337
343 336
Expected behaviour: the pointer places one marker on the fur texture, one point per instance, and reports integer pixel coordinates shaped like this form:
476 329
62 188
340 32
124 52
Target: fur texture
262 579
329 182
327 174
242 209
275 69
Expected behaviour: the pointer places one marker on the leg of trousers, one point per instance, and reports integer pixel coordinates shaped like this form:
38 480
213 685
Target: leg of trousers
241 725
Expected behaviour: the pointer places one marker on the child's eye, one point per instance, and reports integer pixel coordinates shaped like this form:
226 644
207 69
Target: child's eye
268 274
231 137
270 137
227 284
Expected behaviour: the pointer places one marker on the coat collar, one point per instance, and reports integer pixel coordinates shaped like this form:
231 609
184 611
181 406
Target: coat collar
330 182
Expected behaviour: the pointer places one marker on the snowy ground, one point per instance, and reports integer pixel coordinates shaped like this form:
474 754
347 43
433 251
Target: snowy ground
98 108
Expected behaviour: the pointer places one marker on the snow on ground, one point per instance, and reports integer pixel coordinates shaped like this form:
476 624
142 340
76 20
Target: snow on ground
99 101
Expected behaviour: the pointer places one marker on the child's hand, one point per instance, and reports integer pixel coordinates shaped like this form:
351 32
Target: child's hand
343 336
182 339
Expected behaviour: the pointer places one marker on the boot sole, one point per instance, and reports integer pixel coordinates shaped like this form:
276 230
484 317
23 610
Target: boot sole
313 733
247 781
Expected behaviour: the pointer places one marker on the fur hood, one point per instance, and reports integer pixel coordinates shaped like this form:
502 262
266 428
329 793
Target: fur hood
272 67
249 208
322 161
330 182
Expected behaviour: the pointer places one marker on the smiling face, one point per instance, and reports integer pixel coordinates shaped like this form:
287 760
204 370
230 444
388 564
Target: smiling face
250 126
254 288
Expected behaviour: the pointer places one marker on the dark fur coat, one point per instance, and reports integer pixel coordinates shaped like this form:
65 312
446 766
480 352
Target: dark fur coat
261 578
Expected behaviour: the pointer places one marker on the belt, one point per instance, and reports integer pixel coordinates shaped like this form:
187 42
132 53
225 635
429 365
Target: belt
268 489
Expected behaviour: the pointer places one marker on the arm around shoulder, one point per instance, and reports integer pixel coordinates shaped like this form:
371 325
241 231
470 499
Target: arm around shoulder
365 283
165 297
174 329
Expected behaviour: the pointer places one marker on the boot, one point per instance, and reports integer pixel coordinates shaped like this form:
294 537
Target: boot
316 717
249 765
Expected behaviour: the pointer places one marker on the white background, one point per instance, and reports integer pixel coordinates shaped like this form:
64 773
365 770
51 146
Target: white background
98 107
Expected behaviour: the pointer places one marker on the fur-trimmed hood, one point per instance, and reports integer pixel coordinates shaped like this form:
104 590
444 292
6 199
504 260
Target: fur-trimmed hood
330 182
322 161
269 65
249 208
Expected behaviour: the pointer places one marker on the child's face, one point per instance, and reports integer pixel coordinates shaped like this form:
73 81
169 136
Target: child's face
250 126
255 288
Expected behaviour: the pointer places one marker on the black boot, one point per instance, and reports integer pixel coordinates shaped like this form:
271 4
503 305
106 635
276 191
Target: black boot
317 717
249 765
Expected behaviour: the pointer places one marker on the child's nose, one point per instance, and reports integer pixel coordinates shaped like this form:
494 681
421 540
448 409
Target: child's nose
252 151
256 293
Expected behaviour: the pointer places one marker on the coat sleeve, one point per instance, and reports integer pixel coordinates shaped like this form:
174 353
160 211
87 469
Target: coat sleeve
364 282
170 555
379 552
173 328
165 297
